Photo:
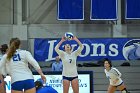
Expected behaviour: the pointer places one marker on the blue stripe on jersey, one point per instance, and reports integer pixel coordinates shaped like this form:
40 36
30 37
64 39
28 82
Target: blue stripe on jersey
116 71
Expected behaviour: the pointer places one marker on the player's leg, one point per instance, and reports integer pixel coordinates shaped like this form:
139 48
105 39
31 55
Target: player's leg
16 91
2 85
32 90
111 89
75 85
122 88
66 84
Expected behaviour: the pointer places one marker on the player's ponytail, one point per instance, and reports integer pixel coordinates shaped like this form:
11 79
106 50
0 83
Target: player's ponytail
14 44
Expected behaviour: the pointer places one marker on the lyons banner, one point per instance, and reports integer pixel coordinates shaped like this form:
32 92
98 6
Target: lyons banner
94 49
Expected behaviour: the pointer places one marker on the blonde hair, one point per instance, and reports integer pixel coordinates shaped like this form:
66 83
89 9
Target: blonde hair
14 44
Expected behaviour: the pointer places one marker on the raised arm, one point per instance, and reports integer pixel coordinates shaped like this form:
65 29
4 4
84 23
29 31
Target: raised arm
59 44
78 52
78 41
59 52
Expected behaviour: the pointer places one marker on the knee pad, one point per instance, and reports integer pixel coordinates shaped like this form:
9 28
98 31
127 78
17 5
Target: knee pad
124 91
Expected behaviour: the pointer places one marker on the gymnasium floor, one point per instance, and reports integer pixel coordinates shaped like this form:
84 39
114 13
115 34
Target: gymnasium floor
116 92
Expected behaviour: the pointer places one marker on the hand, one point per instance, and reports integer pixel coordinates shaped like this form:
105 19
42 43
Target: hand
43 78
63 38
115 81
74 37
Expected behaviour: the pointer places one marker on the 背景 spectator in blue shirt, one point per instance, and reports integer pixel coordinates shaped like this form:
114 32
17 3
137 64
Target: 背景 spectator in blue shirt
57 65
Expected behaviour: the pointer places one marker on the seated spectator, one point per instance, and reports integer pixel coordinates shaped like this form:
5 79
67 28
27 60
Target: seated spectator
57 65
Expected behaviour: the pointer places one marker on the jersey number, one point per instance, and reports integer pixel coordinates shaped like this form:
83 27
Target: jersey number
16 57
70 60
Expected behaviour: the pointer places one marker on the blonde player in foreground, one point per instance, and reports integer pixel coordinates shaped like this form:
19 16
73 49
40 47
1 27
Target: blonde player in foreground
69 58
114 77
17 61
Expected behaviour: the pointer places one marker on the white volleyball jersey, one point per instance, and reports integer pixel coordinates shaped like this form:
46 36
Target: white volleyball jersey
18 65
69 62
3 69
112 75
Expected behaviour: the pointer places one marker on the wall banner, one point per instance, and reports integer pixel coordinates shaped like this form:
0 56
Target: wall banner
94 49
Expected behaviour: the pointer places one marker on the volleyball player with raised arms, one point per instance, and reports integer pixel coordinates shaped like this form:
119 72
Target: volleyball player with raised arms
17 61
114 77
69 58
